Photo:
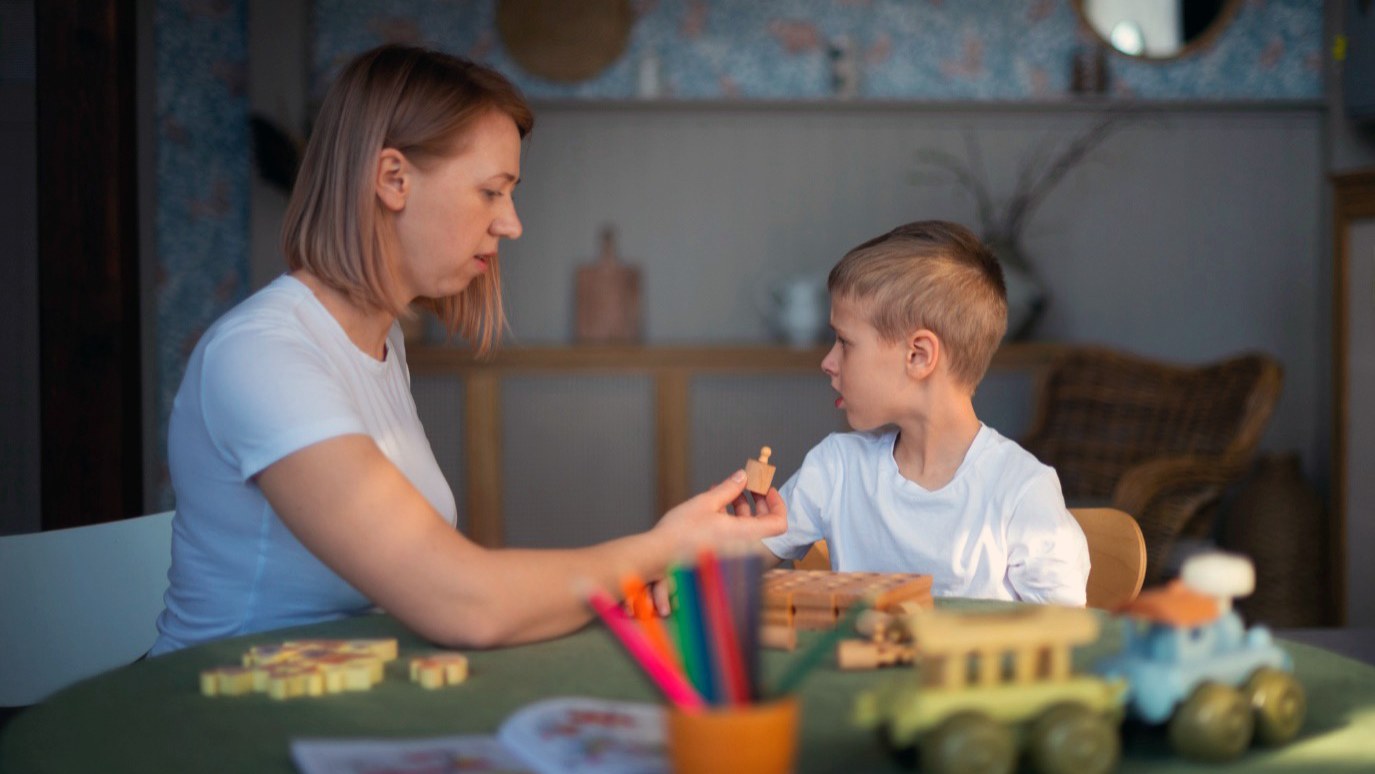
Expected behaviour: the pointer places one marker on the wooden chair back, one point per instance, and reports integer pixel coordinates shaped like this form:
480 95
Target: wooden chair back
1117 551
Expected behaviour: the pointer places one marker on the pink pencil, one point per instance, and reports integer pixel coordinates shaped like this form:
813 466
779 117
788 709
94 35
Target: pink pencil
674 685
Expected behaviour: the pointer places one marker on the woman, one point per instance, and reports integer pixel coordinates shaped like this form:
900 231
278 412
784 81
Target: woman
306 488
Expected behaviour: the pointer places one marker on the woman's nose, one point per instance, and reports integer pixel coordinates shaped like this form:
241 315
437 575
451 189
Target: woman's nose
508 225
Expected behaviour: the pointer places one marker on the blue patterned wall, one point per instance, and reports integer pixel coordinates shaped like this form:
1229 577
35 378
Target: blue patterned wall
202 184
908 49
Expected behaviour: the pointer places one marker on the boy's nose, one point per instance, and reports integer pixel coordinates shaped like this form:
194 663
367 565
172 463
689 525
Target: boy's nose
828 363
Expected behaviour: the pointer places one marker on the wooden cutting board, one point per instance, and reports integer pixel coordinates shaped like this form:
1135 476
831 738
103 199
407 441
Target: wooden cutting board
608 298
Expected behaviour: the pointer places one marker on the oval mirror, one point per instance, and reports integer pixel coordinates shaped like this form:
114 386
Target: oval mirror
1156 29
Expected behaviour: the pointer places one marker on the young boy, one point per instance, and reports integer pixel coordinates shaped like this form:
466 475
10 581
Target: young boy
922 485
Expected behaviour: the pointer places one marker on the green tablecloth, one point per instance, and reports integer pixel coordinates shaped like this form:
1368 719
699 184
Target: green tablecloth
150 717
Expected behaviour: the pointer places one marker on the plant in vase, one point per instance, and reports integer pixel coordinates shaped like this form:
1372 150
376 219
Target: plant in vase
1001 220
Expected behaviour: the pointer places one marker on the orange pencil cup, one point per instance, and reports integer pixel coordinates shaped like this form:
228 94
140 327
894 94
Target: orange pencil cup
753 739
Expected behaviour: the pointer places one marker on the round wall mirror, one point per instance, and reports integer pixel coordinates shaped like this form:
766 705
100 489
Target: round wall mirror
1157 29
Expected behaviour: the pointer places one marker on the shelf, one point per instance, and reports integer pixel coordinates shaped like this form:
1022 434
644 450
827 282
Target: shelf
1065 104
672 369
743 358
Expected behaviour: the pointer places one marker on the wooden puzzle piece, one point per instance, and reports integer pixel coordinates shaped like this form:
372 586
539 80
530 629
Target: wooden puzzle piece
439 669
303 668
759 473
227 681
868 654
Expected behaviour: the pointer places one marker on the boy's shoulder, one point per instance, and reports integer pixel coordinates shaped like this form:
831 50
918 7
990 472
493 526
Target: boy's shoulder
996 451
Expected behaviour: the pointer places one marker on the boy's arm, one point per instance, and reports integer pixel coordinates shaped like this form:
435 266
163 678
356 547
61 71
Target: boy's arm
1047 555
806 493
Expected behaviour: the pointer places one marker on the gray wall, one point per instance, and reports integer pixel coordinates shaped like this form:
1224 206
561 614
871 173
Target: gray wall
1192 235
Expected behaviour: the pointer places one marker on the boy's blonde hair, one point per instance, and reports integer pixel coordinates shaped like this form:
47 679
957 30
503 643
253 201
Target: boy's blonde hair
935 275
419 102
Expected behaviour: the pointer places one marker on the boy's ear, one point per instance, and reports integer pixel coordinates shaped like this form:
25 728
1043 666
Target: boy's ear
393 180
923 353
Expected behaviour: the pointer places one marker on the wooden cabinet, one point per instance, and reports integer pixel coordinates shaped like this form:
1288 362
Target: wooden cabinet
1353 380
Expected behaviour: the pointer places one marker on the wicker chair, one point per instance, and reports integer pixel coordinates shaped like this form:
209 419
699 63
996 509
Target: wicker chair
1159 441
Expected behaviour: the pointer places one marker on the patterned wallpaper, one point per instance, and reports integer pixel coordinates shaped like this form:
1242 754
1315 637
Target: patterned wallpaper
903 49
707 49
201 56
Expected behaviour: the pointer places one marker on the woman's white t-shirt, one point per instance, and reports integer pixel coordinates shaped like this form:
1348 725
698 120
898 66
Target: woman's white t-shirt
276 374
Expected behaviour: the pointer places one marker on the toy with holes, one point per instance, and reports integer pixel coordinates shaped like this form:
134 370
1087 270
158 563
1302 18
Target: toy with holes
818 599
759 473
987 683
1191 663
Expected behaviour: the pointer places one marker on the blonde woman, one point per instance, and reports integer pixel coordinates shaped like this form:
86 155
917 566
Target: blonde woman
306 488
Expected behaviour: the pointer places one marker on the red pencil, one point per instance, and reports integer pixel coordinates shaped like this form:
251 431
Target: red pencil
723 627
672 683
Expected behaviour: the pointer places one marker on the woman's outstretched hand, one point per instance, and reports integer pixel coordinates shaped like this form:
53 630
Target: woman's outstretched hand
706 520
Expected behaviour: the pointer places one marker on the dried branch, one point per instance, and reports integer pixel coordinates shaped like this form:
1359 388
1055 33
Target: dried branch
1036 177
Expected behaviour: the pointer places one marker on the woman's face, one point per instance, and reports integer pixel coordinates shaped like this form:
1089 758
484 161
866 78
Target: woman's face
458 209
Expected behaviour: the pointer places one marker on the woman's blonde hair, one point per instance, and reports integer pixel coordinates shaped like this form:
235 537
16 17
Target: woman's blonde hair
935 275
421 103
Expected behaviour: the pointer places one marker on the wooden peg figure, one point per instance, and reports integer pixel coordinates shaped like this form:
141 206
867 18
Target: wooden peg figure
759 473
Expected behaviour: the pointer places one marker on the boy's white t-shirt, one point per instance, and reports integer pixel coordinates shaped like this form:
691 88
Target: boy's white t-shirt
998 530
276 374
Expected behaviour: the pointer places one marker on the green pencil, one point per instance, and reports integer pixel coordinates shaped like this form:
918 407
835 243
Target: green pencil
682 631
811 656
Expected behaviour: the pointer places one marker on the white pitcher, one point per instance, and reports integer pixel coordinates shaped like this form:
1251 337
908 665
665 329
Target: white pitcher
798 309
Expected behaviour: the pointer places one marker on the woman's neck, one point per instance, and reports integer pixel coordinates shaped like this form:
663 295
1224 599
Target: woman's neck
366 327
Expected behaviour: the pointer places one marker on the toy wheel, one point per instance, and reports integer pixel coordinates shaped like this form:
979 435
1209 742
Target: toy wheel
905 755
1214 724
968 743
1278 703
1072 739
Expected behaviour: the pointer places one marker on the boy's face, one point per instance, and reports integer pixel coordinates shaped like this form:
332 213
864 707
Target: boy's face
869 373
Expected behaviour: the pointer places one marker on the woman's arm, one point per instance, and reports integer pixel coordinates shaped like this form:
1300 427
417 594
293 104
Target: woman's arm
351 507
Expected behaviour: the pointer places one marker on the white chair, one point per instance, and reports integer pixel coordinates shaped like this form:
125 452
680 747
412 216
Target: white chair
77 602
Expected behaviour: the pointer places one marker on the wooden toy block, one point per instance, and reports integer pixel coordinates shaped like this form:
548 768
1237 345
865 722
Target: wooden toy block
286 681
439 669
818 599
303 668
227 681
759 473
778 637
263 655
868 654
382 649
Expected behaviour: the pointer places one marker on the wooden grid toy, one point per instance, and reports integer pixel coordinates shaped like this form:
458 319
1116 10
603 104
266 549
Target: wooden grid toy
818 599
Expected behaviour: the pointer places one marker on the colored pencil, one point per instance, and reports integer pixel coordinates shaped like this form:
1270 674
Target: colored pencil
808 659
716 604
690 593
669 681
642 603
682 627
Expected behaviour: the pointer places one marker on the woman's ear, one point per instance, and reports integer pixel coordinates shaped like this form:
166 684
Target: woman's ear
923 353
393 181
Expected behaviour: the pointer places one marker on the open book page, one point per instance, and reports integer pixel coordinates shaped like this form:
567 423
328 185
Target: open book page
573 734
451 754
